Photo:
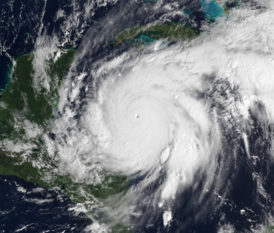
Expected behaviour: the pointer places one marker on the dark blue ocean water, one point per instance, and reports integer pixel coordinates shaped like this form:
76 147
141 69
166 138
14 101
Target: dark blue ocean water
23 207
5 72
28 207
23 21
18 32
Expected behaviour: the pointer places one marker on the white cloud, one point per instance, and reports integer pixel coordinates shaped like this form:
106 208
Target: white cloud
149 102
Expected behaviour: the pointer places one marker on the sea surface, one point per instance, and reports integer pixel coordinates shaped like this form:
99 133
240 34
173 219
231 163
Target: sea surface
28 207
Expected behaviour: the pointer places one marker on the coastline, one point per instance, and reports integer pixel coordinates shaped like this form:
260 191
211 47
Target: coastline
9 73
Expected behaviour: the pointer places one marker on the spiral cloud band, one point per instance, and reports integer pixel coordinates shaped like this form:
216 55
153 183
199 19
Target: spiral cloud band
165 110
149 118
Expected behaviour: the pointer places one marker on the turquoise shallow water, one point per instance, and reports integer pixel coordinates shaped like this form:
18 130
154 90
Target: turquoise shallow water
211 10
50 212
188 13
145 40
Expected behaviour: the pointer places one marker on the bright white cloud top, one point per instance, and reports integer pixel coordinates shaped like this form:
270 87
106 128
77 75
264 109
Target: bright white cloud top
154 112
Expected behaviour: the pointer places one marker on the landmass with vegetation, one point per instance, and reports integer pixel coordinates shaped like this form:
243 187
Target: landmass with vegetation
21 103
145 34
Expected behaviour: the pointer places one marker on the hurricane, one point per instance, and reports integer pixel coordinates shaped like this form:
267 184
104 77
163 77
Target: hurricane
160 135
172 117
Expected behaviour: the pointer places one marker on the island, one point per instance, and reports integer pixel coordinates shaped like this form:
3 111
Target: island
26 115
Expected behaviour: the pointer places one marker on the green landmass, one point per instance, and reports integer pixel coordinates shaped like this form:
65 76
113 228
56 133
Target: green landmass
20 102
269 229
149 33
171 31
